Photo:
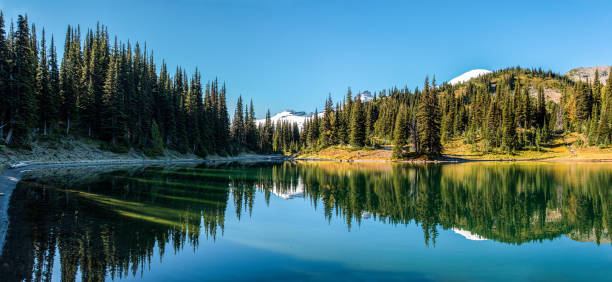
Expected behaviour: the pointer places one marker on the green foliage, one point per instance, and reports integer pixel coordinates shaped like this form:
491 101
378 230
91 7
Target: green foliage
113 94
358 130
428 117
157 144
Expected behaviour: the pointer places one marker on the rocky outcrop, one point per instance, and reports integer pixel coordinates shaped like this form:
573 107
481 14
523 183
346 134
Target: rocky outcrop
584 74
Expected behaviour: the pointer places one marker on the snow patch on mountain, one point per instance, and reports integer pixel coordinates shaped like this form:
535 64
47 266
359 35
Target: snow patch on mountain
300 118
468 235
365 96
289 116
468 75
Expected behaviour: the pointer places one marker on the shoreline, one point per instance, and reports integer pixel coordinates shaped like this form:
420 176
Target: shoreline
10 177
450 160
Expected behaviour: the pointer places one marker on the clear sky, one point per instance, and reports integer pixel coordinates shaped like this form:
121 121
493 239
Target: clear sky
290 54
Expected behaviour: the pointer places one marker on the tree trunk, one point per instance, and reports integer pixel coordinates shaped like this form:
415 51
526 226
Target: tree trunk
8 136
67 125
45 128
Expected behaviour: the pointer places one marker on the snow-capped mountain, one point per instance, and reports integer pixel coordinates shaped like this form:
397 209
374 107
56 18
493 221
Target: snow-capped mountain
468 75
300 117
365 96
290 116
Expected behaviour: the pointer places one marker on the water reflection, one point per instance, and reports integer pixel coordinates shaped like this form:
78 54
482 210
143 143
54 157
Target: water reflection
110 224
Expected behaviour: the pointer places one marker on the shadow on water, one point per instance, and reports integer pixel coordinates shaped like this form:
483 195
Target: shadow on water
110 224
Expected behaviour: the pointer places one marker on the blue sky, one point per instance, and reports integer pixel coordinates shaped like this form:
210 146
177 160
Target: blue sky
290 54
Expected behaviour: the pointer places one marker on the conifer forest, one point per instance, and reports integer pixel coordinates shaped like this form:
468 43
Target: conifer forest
113 91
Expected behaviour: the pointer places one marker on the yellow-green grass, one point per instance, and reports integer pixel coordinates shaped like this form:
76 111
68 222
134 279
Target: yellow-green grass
555 149
350 153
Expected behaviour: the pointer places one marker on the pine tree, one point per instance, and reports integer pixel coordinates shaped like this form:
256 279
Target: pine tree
326 123
223 130
596 90
43 79
5 70
593 134
70 77
509 139
251 128
313 133
371 117
428 118
358 130
157 143
54 86
583 101
267 134
400 133
238 132
541 111
24 76
113 113
210 113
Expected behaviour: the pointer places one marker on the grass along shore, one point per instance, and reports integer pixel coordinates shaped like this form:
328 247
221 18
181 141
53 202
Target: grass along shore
568 147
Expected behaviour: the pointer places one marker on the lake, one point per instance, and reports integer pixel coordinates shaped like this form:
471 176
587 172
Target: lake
313 221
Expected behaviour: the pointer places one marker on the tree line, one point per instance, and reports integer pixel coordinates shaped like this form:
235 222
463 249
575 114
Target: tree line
503 111
111 91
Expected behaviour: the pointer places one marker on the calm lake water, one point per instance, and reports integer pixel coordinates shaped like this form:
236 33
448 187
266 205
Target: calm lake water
313 221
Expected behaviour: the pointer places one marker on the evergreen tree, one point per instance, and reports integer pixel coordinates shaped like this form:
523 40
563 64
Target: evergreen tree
326 123
583 101
22 115
428 119
358 130
54 86
238 128
5 70
251 128
157 144
371 117
509 139
541 111
223 129
400 133
112 99
45 97
267 134
70 77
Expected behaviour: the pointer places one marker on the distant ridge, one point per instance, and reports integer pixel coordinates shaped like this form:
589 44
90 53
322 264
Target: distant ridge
300 117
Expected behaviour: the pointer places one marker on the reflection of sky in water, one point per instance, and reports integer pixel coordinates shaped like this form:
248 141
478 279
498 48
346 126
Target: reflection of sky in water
289 239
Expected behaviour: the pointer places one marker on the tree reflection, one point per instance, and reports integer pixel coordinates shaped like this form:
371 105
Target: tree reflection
108 225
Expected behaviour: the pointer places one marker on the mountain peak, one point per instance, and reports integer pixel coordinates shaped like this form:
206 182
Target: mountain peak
365 96
468 75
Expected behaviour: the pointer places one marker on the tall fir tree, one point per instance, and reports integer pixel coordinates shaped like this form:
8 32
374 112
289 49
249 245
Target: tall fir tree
358 130
5 71
400 132
45 97
22 114
428 118
238 128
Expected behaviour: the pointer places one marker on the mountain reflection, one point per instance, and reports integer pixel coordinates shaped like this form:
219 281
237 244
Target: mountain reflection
110 224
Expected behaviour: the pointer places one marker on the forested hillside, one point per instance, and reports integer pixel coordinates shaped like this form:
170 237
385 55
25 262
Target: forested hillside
110 90
505 111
